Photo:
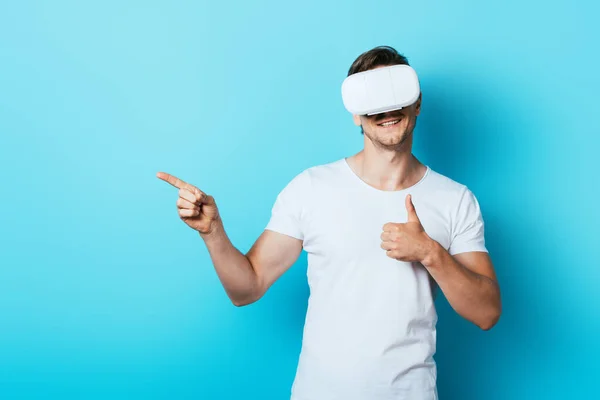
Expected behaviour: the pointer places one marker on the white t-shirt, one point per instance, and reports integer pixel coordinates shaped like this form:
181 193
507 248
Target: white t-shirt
370 328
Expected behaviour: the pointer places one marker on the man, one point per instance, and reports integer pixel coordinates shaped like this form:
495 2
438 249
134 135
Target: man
381 231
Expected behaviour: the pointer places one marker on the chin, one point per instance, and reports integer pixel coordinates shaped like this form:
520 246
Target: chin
392 140
392 137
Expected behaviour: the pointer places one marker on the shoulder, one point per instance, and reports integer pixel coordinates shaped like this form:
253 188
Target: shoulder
443 184
297 194
451 193
327 170
311 176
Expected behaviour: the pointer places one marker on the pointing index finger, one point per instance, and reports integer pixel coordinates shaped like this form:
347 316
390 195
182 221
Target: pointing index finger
173 180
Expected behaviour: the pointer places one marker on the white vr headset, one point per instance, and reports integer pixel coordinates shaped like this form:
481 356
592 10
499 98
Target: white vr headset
380 90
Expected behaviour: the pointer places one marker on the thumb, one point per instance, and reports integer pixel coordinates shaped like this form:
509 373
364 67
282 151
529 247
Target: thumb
203 197
410 210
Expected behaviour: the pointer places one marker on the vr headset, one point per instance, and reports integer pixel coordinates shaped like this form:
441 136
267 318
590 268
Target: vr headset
380 90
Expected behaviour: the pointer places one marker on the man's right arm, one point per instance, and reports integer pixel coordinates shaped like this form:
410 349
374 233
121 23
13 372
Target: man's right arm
246 278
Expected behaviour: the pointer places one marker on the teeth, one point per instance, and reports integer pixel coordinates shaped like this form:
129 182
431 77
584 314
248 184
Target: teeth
390 123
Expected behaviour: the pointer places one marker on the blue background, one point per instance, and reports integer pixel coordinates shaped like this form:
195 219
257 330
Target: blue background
106 294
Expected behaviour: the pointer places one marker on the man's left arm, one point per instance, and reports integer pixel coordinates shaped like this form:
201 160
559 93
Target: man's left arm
467 278
468 281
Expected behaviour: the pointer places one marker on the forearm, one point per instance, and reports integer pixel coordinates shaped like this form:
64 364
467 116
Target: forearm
473 296
233 268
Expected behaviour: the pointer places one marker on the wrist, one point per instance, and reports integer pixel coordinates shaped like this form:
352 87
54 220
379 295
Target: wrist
431 254
215 232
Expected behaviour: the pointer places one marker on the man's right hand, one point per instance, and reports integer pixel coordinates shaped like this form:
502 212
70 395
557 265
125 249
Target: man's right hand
196 208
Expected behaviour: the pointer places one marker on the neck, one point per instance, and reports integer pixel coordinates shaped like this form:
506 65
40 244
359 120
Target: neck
387 169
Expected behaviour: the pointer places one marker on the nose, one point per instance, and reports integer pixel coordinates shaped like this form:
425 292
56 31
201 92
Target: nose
386 115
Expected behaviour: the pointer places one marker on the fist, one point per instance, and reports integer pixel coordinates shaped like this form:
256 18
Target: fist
406 241
197 209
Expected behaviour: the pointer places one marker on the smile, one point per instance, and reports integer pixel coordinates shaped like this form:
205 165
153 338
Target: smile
389 123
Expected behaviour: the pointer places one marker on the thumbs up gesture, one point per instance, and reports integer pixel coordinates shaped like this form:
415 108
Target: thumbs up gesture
406 241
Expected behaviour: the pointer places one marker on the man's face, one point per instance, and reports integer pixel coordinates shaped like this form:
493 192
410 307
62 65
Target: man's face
390 129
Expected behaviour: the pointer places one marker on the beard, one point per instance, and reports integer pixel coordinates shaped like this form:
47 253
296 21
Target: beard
389 141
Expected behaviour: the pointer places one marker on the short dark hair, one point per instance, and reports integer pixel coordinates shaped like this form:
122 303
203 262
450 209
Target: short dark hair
377 57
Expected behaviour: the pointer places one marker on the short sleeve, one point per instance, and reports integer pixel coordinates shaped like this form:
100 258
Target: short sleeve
287 214
468 226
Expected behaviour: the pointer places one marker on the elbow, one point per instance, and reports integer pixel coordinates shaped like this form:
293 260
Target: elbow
247 295
490 320
487 325
242 301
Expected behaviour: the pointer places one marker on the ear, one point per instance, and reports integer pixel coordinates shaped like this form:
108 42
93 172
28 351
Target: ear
418 105
356 119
